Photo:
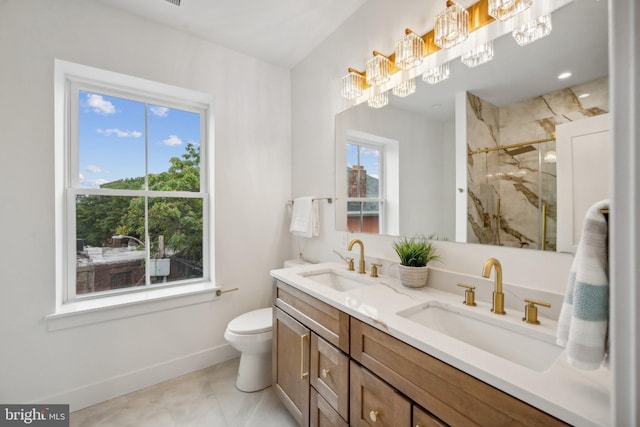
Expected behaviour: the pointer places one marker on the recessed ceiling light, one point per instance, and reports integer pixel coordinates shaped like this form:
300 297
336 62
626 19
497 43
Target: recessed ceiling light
584 95
564 75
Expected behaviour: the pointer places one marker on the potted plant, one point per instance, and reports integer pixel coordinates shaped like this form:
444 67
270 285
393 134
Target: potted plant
415 253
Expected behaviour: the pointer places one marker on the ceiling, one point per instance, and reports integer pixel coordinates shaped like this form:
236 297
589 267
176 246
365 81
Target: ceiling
263 29
283 32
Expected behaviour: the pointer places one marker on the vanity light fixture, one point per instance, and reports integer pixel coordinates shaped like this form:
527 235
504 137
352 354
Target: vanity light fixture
378 69
378 100
405 88
409 50
532 30
550 156
436 74
353 84
451 26
564 75
478 55
505 9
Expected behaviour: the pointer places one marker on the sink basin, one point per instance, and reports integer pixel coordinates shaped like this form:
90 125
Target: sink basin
342 281
521 345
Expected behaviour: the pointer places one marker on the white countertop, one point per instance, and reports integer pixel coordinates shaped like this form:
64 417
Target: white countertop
578 397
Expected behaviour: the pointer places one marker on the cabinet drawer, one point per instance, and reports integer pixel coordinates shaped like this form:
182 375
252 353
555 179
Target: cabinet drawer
330 374
322 414
325 320
374 402
450 394
422 418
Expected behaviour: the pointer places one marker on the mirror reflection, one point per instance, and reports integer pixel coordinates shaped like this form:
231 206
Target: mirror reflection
473 158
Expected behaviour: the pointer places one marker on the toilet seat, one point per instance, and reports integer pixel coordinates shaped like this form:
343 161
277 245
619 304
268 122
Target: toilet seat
253 322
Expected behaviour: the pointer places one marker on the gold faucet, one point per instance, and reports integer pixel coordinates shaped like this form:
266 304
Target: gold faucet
498 296
361 263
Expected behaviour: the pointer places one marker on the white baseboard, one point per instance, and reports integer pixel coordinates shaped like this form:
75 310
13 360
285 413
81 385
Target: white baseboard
109 388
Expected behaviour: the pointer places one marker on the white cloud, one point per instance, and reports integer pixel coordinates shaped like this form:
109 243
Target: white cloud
100 105
94 169
159 111
172 141
120 133
91 183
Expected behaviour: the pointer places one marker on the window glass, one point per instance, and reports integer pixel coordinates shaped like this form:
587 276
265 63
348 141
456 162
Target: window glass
131 232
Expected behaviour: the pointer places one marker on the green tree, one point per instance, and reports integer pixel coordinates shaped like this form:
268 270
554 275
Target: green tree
179 220
99 217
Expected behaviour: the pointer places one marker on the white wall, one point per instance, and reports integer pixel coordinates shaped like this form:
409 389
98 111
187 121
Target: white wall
87 364
315 102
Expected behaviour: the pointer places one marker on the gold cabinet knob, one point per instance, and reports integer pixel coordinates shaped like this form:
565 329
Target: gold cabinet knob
373 415
325 373
531 311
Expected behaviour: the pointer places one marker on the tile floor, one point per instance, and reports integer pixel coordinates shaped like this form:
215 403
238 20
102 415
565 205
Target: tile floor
206 398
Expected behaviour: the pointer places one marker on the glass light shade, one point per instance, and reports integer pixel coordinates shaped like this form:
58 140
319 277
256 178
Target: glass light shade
478 55
405 88
452 26
379 100
352 85
378 70
436 74
505 9
533 30
409 51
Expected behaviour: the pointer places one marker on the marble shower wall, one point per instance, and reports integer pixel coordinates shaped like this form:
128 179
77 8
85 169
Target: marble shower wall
508 188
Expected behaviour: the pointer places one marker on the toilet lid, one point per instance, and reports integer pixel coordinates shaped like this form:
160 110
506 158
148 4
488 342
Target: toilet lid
253 322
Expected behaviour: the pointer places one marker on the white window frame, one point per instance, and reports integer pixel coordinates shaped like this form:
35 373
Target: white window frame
95 307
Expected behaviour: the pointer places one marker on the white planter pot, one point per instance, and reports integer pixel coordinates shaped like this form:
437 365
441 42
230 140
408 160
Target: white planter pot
413 277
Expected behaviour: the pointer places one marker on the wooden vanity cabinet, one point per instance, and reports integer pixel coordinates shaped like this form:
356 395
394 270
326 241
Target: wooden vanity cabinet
333 370
310 358
451 395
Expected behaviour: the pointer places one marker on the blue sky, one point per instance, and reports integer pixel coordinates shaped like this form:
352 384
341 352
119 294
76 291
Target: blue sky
369 158
112 137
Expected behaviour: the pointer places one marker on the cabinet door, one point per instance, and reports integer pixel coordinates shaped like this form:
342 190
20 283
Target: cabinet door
422 418
330 374
291 365
375 403
322 414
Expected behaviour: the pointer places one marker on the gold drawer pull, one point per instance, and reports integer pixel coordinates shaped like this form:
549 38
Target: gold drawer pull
373 415
303 374
325 373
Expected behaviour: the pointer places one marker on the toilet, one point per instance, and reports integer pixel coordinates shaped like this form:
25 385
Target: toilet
250 334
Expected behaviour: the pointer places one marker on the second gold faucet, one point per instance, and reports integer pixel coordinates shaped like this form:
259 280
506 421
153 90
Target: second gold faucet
361 264
498 295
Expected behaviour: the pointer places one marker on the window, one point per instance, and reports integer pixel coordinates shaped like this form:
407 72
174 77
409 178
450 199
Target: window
136 186
365 190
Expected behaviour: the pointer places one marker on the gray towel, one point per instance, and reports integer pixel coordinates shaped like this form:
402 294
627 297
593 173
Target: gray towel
584 316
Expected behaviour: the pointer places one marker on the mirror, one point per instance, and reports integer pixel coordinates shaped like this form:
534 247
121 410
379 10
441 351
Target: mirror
402 169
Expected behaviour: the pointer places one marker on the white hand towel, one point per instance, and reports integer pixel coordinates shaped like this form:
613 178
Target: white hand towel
584 316
304 218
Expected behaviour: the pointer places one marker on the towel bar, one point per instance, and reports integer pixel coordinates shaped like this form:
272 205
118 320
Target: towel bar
328 199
